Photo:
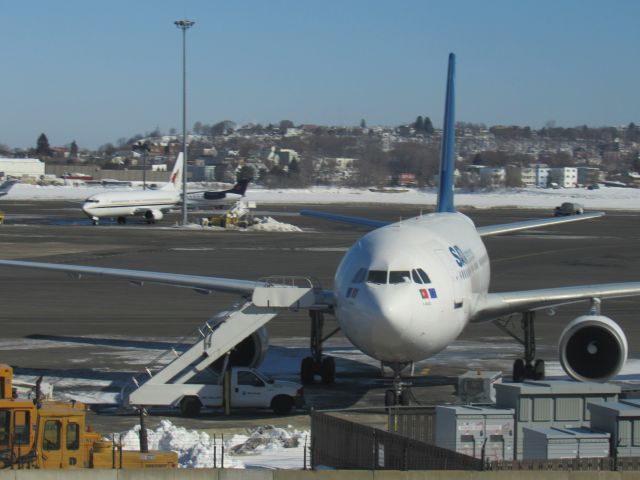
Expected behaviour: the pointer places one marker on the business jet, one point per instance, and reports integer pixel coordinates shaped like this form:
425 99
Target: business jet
406 290
151 204
223 197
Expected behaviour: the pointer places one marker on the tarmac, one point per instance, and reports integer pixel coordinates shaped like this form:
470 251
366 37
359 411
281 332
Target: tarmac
42 314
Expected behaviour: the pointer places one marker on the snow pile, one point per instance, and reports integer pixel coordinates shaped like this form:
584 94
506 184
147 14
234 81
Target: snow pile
264 446
268 224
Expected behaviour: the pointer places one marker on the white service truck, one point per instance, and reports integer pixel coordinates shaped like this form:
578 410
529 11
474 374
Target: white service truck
241 387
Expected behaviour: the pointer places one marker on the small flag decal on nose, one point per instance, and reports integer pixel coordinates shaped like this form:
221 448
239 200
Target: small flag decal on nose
352 292
427 293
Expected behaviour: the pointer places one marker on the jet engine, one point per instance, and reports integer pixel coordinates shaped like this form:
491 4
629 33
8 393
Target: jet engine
593 348
153 215
250 352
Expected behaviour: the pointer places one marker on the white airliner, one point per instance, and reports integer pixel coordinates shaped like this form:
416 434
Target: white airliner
406 290
152 204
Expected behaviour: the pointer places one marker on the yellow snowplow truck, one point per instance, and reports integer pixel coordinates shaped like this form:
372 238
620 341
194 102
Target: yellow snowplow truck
55 435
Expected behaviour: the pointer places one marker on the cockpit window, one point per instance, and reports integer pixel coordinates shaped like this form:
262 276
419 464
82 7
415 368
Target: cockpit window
377 276
424 276
359 276
399 277
416 277
92 200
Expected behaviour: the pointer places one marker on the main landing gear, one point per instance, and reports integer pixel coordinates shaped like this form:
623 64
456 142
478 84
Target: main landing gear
122 220
400 394
316 364
527 367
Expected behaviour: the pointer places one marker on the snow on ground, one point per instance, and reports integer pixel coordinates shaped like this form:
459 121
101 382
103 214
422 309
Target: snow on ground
603 198
266 447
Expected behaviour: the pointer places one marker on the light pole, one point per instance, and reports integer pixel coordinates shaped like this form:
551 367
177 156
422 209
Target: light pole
184 25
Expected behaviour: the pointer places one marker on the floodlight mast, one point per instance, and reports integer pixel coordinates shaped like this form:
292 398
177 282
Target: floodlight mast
184 25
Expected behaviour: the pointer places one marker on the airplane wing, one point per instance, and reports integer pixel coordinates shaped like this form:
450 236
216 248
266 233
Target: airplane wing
528 224
200 284
496 305
344 218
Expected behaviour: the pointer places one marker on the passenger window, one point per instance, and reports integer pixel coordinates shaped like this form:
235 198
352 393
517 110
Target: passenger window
51 439
416 277
4 427
21 427
424 276
400 277
359 276
377 276
73 436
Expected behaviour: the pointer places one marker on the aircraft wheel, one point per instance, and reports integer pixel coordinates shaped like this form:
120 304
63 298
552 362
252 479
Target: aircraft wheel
190 407
307 371
122 220
538 370
518 370
328 370
405 398
389 398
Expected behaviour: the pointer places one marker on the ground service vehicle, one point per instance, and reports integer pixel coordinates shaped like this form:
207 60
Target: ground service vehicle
55 435
242 387
568 208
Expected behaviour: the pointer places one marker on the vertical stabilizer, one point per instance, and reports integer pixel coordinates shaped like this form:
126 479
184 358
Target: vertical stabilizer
447 158
175 180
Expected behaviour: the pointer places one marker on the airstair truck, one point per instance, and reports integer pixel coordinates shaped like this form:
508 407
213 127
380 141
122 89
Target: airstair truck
55 435
241 387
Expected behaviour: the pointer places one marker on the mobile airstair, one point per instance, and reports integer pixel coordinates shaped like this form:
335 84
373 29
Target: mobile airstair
220 334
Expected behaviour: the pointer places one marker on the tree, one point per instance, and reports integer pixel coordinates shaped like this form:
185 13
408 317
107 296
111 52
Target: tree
197 128
246 172
284 125
363 124
73 150
42 146
428 126
418 125
294 166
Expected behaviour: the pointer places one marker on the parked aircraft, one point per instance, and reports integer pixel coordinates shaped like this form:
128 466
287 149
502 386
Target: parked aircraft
406 290
151 204
224 197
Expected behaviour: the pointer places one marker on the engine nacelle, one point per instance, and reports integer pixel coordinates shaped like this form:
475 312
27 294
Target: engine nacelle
593 348
250 352
153 215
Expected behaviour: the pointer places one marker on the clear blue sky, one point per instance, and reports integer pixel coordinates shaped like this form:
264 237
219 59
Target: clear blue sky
99 70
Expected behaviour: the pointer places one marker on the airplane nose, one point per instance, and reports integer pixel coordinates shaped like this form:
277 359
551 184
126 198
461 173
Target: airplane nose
391 311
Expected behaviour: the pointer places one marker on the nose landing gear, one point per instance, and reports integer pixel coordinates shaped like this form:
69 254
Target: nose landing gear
401 392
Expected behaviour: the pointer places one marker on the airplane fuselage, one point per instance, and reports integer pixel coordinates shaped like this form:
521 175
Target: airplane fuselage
124 203
407 290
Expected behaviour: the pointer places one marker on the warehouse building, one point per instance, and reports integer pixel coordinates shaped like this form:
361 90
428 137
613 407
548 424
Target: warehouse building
21 167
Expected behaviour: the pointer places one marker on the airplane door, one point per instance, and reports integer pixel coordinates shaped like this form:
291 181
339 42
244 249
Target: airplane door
457 283
249 390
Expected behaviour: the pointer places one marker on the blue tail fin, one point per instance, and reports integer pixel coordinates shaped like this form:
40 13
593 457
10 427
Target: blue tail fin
447 159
